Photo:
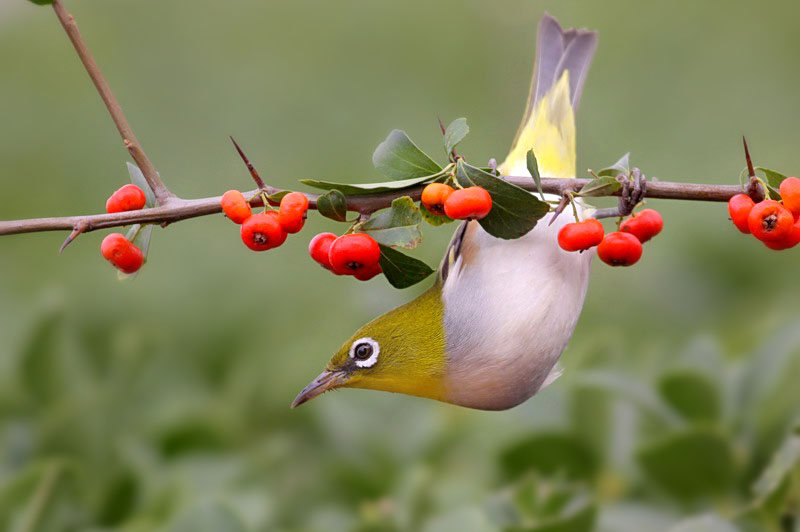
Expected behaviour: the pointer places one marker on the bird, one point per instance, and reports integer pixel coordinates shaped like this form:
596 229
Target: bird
490 330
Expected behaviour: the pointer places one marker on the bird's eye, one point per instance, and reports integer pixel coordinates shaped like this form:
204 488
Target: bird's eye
364 352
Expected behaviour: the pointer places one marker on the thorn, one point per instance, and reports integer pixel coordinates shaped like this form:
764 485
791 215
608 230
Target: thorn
79 228
750 170
559 209
257 178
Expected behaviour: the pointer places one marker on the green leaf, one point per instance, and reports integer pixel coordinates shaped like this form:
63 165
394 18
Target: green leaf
356 189
209 517
551 452
692 394
533 169
579 516
396 226
398 158
333 205
600 186
137 178
401 270
41 366
704 523
784 462
690 464
622 166
514 211
140 238
455 133
41 2
278 196
434 219
773 178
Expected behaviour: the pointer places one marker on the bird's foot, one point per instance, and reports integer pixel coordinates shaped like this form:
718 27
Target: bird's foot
634 189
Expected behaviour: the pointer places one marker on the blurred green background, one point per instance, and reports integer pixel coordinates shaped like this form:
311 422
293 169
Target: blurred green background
162 404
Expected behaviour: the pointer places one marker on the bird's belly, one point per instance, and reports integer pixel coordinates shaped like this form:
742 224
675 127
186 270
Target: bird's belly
509 314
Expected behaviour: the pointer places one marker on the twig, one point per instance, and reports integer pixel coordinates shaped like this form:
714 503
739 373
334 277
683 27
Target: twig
163 195
182 209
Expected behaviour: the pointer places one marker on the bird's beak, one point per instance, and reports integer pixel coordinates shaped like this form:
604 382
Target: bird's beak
327 380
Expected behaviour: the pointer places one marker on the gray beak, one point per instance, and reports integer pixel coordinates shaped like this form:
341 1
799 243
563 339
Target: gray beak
327 380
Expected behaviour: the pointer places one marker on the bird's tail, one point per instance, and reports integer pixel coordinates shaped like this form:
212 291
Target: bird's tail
548 126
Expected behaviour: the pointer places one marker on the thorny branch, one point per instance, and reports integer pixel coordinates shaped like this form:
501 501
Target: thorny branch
182 209
172 208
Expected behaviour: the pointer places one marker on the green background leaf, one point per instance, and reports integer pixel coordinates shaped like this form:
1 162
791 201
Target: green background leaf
554 453
692 394
690 464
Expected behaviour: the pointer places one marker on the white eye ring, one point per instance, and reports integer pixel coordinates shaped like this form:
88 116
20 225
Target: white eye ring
373 357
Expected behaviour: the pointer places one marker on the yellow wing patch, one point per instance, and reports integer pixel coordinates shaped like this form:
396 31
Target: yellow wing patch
550 133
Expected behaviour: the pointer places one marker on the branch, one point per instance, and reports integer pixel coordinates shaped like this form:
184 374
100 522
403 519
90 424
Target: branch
163 195
180 209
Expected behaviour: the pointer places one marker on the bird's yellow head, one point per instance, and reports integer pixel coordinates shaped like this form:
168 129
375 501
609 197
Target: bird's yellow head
402 351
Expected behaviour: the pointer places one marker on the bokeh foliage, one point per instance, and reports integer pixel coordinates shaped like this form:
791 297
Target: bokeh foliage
162 404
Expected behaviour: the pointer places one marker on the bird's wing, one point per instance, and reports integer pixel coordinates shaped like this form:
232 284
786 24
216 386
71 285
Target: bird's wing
548 125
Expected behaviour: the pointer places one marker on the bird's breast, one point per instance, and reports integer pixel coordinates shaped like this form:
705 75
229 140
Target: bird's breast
510 307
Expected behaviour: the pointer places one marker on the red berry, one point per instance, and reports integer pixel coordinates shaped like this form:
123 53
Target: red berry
262 231
769 220
471 203
292 214
580 236
127 198
434 196
235 206
353 252
739 208
367 273
319 247
789 241
620 249
644 226
122 253
790 194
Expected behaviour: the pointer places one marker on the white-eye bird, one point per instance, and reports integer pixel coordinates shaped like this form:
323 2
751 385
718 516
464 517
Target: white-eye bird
489 332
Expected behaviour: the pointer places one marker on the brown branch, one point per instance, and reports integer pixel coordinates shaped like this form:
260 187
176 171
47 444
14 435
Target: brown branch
181 209
163 195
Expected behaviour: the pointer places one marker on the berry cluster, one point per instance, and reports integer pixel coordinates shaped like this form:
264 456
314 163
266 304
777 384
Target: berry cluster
620 248
123 254
775 223
355 254
268 229
471 203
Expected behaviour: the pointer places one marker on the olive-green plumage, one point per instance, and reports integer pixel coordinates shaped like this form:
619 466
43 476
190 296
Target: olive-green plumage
412 352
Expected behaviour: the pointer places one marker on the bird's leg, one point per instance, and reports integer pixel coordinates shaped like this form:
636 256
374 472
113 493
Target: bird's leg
632 194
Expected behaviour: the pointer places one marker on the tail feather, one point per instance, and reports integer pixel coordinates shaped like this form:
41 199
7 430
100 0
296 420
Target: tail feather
548 125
